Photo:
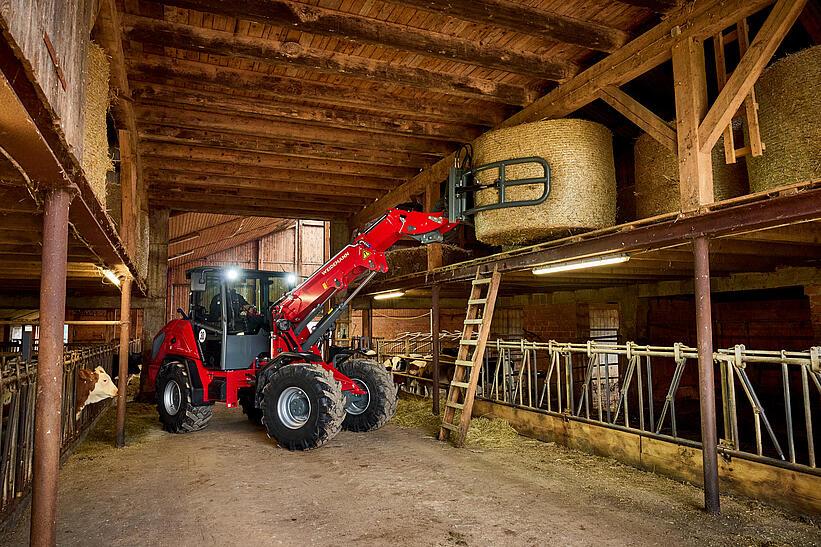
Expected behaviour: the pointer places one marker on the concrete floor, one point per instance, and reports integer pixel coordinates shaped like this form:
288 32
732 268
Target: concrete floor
230 485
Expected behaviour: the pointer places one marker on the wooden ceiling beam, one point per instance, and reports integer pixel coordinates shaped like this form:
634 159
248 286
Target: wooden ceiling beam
161 179
658 6
526 20
200 170
320 167
444 123
191 77
294 131
294 54
239 239
699 20
172 190
364 30
255 210
285 147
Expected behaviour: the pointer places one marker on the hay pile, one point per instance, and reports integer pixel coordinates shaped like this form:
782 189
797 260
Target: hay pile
415 412
415 259
583 180
657 182
96 160
789 113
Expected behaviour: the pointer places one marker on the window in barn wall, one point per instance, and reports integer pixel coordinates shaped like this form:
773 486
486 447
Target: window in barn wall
604 329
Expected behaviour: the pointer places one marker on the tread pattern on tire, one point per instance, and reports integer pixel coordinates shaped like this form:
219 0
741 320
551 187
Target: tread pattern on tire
382 405
330 411
189 418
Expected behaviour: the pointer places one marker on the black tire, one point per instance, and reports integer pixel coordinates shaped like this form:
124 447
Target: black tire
303 406
172 385
380 403
254 414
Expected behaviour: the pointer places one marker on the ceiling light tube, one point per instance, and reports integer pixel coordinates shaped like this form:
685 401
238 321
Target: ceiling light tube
581 264
387 295
111 276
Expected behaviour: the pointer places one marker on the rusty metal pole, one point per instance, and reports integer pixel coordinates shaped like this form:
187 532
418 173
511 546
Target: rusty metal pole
367 324
48 409
706 382
435 349
125 331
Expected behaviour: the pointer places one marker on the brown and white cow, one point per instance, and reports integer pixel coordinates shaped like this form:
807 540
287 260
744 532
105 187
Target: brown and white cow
93 386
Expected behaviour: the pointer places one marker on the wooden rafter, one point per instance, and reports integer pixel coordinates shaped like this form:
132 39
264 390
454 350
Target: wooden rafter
640 115
271 53
782 17
698 20
444 123
526 20
176 72
364 30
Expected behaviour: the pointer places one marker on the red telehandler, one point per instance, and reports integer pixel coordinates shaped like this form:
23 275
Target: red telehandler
271 362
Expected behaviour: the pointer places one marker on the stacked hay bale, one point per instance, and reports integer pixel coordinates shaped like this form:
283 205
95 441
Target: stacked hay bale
415 259
583 181
96 161
657 182
789 114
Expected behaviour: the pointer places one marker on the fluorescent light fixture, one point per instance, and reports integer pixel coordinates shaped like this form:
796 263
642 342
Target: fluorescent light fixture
111 276
188 253
581 264
387 295
290 279
231 274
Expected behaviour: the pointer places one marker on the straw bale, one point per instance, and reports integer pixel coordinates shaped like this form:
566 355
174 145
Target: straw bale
583 180
96 160
415 259
789 113
657 182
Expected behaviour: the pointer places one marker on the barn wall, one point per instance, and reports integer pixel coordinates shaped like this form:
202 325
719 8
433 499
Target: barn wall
97 334
273 252
67 23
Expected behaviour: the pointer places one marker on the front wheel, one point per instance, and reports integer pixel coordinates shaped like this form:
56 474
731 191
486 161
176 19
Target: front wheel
302 406
378 405
173 389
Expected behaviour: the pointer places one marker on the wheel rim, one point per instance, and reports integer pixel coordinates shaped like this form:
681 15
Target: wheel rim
172 397
293 407
357 404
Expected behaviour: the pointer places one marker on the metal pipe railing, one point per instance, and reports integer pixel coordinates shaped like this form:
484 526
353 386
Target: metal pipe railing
17 399
767 398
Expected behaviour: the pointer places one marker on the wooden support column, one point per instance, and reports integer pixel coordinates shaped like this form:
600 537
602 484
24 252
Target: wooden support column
696 186
48 409
367 323
436 350
706 382
122 383
154 304
695 165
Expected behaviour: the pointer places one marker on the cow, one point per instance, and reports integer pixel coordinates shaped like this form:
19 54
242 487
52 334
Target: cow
93 386
135 360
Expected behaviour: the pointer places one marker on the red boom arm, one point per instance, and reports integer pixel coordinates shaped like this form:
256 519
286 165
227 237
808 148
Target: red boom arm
365 253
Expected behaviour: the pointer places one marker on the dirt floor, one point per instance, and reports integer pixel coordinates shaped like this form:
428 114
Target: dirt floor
231 485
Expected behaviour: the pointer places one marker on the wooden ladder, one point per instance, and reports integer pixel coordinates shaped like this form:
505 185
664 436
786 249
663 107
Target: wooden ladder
462 391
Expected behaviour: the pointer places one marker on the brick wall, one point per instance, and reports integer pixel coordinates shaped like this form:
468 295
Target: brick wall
561 322
813 293
769 320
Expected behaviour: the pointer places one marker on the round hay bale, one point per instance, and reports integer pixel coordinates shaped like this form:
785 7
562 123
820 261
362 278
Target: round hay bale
657 182
582 186
96 161
789 114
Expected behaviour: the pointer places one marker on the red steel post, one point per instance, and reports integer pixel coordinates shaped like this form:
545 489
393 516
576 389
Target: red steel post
706 382
122 383
48 408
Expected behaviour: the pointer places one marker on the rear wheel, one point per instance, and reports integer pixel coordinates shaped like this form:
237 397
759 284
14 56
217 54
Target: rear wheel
177 414
303 406
378 405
